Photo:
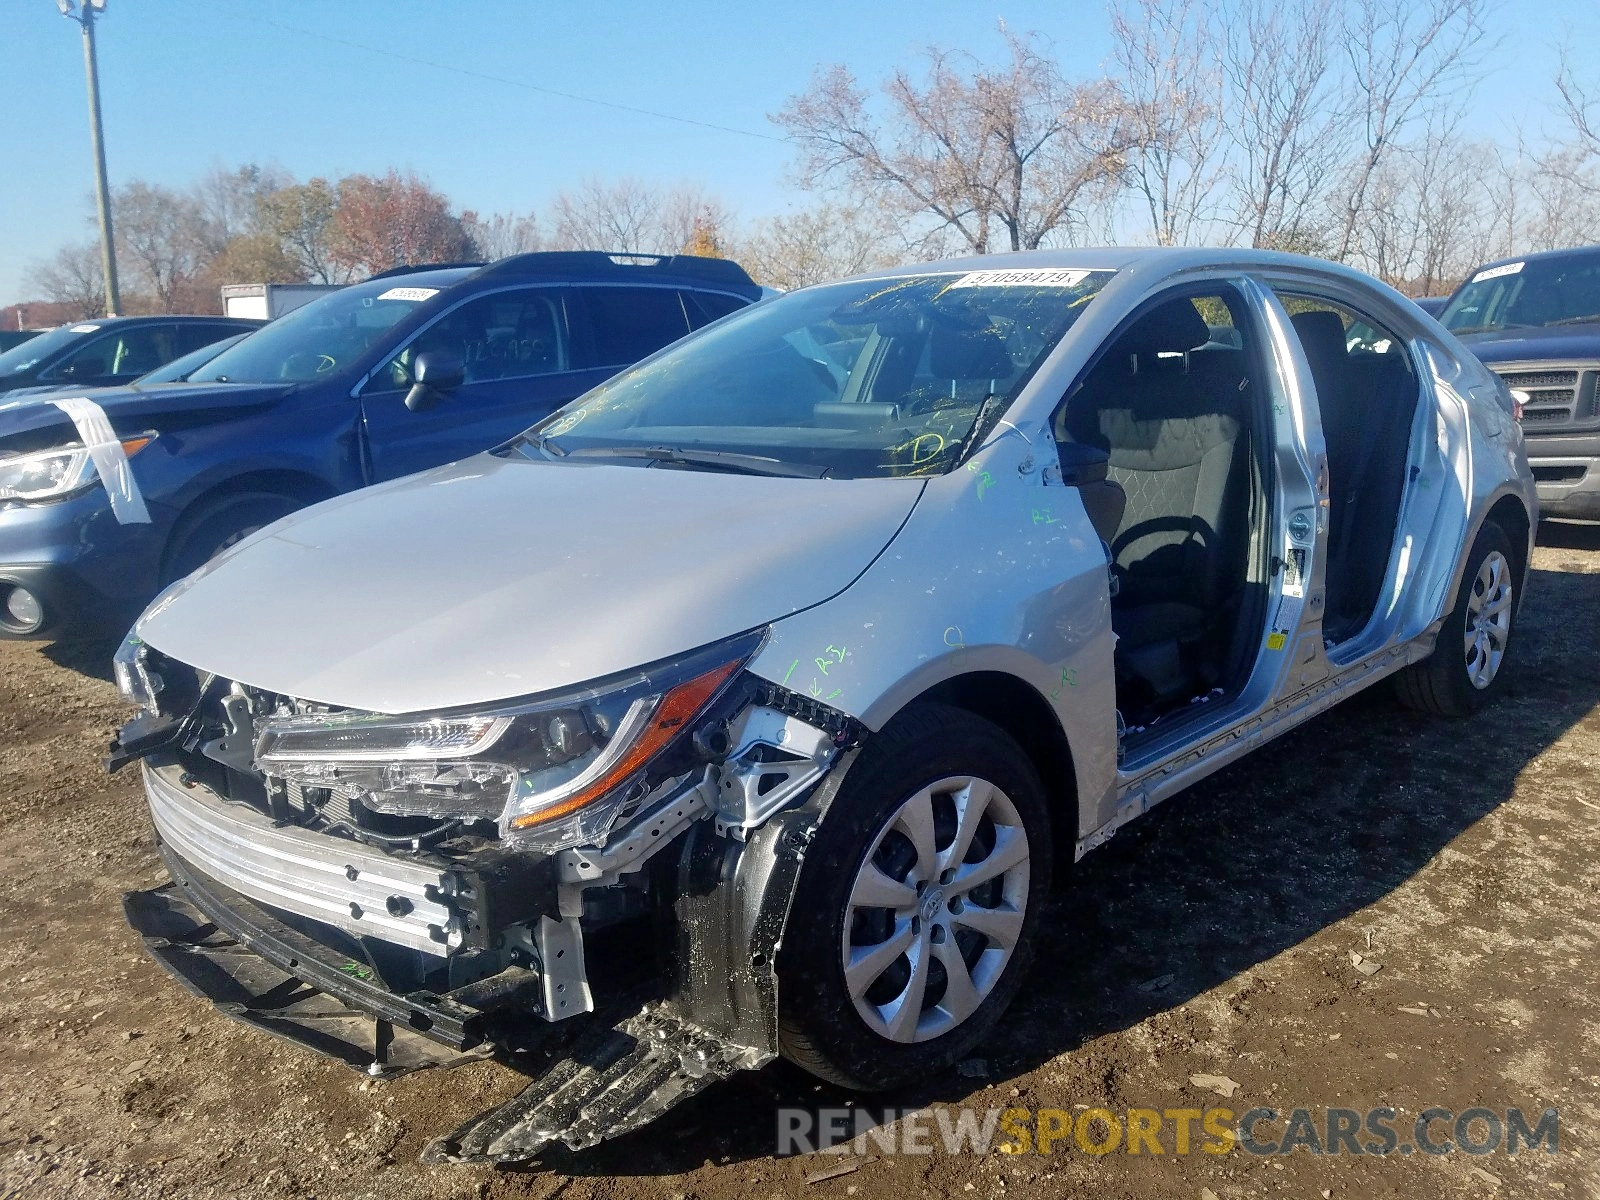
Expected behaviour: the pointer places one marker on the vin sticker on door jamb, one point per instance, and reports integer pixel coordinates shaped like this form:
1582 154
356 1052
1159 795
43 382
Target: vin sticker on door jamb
1023 277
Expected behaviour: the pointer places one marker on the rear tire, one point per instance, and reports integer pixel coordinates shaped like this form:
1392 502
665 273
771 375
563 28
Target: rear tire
204 534
1467 668
938 842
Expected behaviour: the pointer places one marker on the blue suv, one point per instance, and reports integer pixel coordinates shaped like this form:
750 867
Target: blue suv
106 498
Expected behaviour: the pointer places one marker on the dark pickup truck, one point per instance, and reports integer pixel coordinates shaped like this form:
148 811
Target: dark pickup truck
1535 322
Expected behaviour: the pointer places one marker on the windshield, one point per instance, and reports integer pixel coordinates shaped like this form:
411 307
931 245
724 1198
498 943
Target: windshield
317 339
36 349
880 377
180 369
1544 291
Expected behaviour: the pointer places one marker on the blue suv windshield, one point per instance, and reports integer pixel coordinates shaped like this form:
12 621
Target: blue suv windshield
1558 290
36 349
319 338
878 377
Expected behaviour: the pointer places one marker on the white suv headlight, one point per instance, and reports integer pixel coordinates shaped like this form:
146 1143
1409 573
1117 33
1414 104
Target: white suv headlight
553 772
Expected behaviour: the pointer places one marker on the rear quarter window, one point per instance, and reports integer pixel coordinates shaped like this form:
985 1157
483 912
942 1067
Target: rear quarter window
706 307
626 324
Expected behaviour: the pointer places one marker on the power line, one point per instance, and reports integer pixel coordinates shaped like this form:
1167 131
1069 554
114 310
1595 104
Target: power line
516 83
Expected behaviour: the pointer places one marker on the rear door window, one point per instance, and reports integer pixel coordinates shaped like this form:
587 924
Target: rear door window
626 324
192 337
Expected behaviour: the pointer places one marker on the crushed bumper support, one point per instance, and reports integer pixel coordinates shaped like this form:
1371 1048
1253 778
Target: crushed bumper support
261 973
612 1081
594 1077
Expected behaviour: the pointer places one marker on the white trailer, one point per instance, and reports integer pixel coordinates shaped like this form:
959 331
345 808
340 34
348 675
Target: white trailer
265 301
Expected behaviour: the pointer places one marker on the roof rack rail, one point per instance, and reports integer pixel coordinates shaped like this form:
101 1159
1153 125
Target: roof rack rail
413 268
602 262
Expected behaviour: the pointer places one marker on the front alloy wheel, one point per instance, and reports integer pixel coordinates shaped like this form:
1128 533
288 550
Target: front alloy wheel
916 904
936 909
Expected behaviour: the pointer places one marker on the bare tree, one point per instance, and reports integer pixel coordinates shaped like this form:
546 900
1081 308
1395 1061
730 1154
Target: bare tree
1423 230
72 276
1171 83
688 215
1565 190
1406 58
998 158
300 217
163 241
1579 106
629 216
500 235
622 215
818 244
232 202
1284 117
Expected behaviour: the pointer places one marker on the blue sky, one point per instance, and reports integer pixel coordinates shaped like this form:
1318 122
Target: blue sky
192 84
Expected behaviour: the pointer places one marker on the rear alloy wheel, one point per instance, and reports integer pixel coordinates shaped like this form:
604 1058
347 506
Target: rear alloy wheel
913 917
1488 624
1467 667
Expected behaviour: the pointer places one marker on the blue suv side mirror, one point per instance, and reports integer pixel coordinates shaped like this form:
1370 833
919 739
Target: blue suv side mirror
436 374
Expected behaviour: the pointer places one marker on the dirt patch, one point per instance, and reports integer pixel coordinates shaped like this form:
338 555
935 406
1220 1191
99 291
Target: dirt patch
1214 937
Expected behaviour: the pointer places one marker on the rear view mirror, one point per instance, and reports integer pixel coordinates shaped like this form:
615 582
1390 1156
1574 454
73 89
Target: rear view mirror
436 374
1081 464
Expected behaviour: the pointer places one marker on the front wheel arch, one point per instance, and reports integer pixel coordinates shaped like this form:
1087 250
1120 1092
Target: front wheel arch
292 489
1022 711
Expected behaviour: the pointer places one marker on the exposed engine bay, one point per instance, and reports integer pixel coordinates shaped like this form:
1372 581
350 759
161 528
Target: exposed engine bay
604 874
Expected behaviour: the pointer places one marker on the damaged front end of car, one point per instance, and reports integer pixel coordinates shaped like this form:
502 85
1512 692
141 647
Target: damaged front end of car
590 886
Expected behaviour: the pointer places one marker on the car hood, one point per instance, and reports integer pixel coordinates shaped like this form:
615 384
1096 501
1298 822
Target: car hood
28 415
1532 345
499 577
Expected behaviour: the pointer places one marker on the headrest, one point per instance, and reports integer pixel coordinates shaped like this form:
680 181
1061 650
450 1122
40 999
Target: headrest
1321 335
1173 327
955 353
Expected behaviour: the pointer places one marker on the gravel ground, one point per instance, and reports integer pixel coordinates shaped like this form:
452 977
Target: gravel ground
1214 937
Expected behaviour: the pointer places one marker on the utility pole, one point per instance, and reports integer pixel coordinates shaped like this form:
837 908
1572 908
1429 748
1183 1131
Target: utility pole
85 17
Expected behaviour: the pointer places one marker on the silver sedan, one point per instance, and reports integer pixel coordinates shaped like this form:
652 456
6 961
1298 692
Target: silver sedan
805 648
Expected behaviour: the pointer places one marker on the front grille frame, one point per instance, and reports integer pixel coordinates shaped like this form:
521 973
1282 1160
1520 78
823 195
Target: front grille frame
1563 395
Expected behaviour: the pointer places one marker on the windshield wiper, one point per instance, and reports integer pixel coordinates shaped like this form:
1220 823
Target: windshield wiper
1585 320
727 460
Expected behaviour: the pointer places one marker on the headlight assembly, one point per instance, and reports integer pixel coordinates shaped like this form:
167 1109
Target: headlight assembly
52 474
552 772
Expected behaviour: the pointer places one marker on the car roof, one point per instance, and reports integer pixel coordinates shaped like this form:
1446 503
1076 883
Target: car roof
1536 256
431 276
162 318
584 266
1152 260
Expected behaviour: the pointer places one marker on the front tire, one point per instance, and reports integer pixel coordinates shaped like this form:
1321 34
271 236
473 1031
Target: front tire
1467 667
223 523
916 908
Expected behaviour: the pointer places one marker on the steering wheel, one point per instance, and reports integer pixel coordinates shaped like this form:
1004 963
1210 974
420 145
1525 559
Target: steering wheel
926 403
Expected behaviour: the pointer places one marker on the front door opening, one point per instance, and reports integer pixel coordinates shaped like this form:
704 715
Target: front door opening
1172 400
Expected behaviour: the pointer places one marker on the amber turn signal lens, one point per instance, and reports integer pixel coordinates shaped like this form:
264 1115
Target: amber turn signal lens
677 708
